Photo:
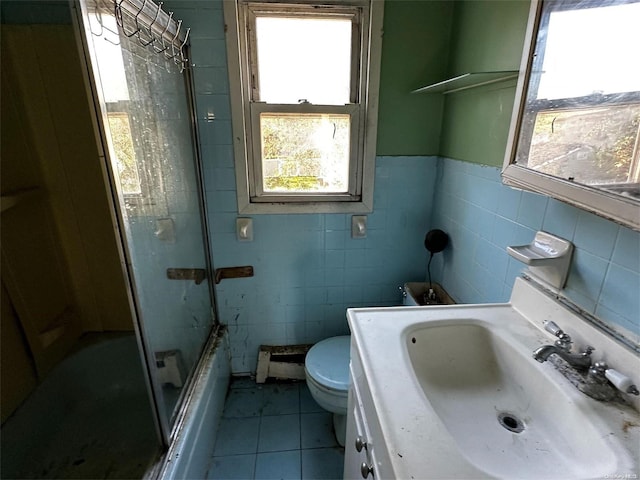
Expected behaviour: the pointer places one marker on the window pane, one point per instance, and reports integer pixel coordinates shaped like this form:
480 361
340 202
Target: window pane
582 116
109 58
125 154
593 146
316 66
305 152
593 67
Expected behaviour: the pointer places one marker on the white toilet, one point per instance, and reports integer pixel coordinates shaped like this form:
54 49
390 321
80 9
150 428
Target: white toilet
327 365
327 372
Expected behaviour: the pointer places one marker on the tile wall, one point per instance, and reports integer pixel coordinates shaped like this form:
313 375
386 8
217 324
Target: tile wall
308 270
483 217
177 313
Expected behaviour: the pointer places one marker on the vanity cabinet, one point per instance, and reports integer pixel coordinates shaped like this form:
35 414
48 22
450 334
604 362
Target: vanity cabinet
357 450
366 455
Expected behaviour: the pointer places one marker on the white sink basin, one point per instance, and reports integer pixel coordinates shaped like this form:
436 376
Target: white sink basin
457 393
506 417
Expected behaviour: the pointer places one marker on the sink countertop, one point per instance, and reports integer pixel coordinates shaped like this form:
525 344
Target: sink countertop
418 442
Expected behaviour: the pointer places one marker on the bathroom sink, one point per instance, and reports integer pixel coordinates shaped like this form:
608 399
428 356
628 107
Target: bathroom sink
455 393
477 381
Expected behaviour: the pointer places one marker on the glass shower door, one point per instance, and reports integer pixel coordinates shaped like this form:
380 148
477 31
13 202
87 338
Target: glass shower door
149 143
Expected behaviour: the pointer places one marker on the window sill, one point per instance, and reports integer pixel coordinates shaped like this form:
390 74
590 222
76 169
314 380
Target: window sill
256 208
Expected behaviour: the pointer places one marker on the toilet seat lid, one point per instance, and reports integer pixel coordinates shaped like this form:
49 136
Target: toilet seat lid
328 362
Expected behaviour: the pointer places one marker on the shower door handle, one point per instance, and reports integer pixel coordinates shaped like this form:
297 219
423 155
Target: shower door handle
196 274
233 272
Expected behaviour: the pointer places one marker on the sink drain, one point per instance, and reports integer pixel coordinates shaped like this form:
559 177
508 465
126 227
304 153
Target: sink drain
511 422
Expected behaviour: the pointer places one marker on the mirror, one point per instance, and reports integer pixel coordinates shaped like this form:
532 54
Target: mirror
575 131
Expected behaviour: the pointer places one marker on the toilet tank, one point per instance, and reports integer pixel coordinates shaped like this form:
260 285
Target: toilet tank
414 294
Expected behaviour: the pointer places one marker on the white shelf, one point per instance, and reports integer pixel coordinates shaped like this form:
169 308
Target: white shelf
467 80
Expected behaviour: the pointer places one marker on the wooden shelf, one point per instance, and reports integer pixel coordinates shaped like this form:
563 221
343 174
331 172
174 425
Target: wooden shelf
466 81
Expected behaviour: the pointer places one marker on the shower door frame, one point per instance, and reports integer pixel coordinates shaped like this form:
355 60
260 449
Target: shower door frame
166 426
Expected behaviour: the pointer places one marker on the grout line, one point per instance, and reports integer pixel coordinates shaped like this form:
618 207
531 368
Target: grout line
300 424
259 427
255 465
299 450
255 460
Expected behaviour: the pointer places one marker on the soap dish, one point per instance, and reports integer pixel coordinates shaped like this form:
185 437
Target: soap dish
545 249
548 257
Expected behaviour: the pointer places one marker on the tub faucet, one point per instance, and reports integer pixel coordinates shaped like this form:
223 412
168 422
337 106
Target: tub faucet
579 361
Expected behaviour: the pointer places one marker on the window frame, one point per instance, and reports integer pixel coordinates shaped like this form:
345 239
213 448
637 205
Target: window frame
620 209
246 106
536 106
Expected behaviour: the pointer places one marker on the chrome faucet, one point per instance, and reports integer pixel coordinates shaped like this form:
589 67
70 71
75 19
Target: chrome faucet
562 348
596 380
579 361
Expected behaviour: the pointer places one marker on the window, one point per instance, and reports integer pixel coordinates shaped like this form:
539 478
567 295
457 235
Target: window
304 89
581 123
575 131
125 155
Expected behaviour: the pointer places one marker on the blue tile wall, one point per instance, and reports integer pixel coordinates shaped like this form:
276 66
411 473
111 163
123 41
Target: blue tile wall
483 217
308 269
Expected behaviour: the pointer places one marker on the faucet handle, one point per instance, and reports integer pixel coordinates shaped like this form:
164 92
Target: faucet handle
598 368
588 350
597 372
621 381
552 327
564 340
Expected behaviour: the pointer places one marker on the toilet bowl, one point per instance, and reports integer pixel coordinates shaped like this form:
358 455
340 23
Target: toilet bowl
327 374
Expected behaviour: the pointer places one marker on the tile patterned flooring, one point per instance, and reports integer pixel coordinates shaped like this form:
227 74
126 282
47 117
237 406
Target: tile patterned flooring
274 431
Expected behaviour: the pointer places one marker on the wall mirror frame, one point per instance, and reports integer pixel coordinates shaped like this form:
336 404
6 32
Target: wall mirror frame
615 199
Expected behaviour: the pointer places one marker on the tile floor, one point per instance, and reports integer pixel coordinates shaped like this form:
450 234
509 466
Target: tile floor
274 431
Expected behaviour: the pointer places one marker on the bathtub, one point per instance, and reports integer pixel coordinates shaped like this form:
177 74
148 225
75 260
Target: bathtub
89 418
